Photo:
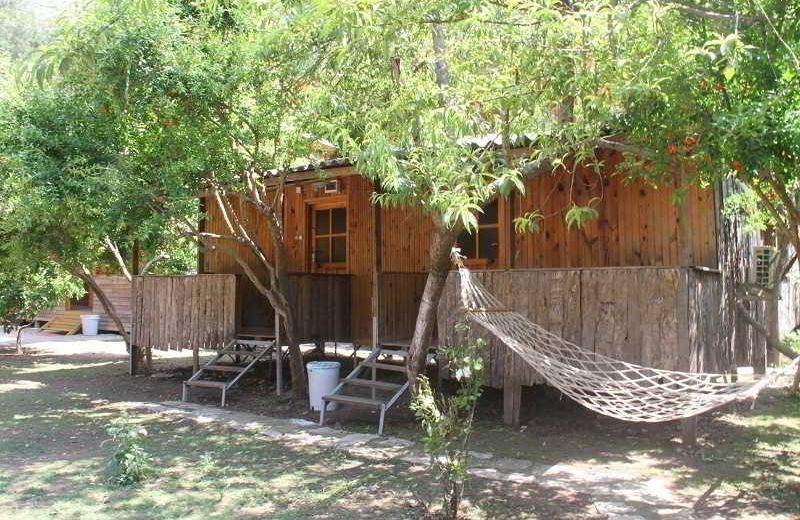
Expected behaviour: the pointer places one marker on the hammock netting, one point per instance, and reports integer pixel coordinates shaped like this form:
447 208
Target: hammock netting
608 386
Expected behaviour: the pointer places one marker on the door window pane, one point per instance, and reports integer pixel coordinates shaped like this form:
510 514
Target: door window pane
322 248
323 223
339 254
339 220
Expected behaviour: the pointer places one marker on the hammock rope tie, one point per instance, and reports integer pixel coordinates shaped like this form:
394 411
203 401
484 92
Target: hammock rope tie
606 385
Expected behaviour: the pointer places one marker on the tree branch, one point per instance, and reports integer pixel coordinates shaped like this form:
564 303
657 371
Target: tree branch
153 261
111 246
772 342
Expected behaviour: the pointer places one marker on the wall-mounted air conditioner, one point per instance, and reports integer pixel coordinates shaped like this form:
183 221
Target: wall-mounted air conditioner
332 186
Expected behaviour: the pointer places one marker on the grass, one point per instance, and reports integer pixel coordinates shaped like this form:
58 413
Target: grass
54 455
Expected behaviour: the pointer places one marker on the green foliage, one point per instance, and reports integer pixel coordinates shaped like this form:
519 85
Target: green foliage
578 216
746 205
25 290
130 463
448 420
528 222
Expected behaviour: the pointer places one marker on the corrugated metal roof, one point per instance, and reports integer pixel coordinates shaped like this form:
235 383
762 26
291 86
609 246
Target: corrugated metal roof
488 141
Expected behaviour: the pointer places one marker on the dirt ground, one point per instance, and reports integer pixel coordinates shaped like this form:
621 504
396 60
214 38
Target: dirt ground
56 400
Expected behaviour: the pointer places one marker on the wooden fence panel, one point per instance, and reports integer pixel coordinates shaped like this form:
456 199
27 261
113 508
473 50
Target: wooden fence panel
550 297
176 312
632 314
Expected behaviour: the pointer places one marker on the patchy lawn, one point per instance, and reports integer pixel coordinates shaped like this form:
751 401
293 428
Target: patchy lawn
56 404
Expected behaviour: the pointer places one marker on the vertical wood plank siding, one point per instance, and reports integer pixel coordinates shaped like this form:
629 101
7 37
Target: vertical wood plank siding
175 312
400 294
633 314
356 194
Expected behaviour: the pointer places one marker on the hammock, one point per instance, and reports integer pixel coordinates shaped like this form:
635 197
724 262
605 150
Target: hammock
603 384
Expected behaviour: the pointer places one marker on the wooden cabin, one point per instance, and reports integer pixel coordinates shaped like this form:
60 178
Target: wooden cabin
640 282
66 316
335 231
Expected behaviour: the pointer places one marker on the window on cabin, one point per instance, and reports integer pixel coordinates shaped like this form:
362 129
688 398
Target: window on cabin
330 238
84 302
482 245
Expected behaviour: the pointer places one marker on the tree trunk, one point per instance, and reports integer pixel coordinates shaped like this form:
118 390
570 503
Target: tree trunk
280 286
796 382
20 328
299 385
84 275
442 243
773 342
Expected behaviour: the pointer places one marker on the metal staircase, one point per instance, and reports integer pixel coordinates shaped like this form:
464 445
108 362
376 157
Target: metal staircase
229 365
382 394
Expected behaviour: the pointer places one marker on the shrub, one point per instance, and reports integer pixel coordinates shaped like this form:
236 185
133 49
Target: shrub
131 463
448 419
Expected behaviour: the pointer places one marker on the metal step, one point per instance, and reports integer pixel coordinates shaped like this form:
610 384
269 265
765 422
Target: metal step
253 342
241 353
349 399
205 384
381 385
385 366
224 368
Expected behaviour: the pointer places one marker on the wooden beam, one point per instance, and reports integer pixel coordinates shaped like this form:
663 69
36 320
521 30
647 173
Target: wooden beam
512 399
689 431
377 269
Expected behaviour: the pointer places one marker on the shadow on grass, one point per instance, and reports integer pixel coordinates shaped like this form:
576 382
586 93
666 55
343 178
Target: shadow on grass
53 453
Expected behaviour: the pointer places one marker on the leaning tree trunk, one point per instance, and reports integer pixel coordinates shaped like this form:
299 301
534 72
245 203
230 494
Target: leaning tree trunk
280 285
299 386
84 275
20 328
442 243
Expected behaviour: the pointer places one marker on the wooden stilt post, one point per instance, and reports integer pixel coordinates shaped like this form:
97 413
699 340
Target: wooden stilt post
689 431
132 360
512 400
685 343
278 356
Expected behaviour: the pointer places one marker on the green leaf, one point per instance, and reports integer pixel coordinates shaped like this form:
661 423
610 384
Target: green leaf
578 216
729 72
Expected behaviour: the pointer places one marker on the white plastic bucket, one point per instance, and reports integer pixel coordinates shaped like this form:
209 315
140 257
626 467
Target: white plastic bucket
323 376
89 323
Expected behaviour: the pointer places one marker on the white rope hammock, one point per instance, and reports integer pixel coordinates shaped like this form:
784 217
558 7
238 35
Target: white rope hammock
603 384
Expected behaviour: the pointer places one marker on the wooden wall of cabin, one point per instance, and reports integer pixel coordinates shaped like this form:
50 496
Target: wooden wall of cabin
638 224
355 194
638 314
118 290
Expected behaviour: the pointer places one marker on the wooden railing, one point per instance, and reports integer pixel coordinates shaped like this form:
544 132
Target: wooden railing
637 314
321 305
